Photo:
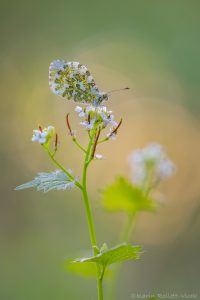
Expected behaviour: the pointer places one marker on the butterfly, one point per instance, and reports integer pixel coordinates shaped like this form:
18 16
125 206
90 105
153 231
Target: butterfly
72 80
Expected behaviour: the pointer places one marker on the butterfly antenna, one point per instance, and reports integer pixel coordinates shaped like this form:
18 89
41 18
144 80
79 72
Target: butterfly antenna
112 91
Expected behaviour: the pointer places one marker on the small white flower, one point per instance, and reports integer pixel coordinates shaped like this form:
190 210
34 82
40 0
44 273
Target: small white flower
88 125
78 109
104 109
99 114
90 108
166 168
154 152
43 135
98 156
82 114
39 136
137 157
150 165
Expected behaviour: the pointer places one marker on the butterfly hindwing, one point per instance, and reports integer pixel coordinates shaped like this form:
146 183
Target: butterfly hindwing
73 80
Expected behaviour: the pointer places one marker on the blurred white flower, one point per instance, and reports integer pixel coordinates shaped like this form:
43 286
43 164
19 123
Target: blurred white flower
150 165
166 168
99 156
43 135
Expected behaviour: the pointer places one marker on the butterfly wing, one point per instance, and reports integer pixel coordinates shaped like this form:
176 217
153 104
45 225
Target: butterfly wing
73 80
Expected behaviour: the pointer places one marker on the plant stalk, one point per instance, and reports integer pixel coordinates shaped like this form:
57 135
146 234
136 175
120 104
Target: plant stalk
62 168
93 239
125 237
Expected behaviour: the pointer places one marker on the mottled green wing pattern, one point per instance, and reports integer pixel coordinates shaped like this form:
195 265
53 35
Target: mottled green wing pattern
72 80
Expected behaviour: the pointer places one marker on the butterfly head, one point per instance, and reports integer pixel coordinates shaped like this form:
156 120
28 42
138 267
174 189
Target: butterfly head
102 96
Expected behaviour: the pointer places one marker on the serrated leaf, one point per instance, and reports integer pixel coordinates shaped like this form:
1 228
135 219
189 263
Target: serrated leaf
113 255
123 196
48 181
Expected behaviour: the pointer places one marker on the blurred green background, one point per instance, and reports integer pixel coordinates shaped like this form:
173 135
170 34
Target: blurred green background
151 46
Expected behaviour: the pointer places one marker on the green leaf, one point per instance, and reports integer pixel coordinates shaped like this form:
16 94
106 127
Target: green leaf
123 196
113 255
48 181
85 270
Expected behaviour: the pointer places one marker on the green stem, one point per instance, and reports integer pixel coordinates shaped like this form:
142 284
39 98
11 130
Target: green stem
89 155
62 168
103 140
93 239
78 145
128 228
88 208
100 288
125 237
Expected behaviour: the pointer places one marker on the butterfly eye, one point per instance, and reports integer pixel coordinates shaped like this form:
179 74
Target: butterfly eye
103 96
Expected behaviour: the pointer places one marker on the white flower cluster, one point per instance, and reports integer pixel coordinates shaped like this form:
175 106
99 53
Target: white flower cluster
150 164
43 135
96 115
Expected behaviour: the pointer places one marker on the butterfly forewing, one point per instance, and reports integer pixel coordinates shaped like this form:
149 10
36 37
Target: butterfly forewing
73 80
